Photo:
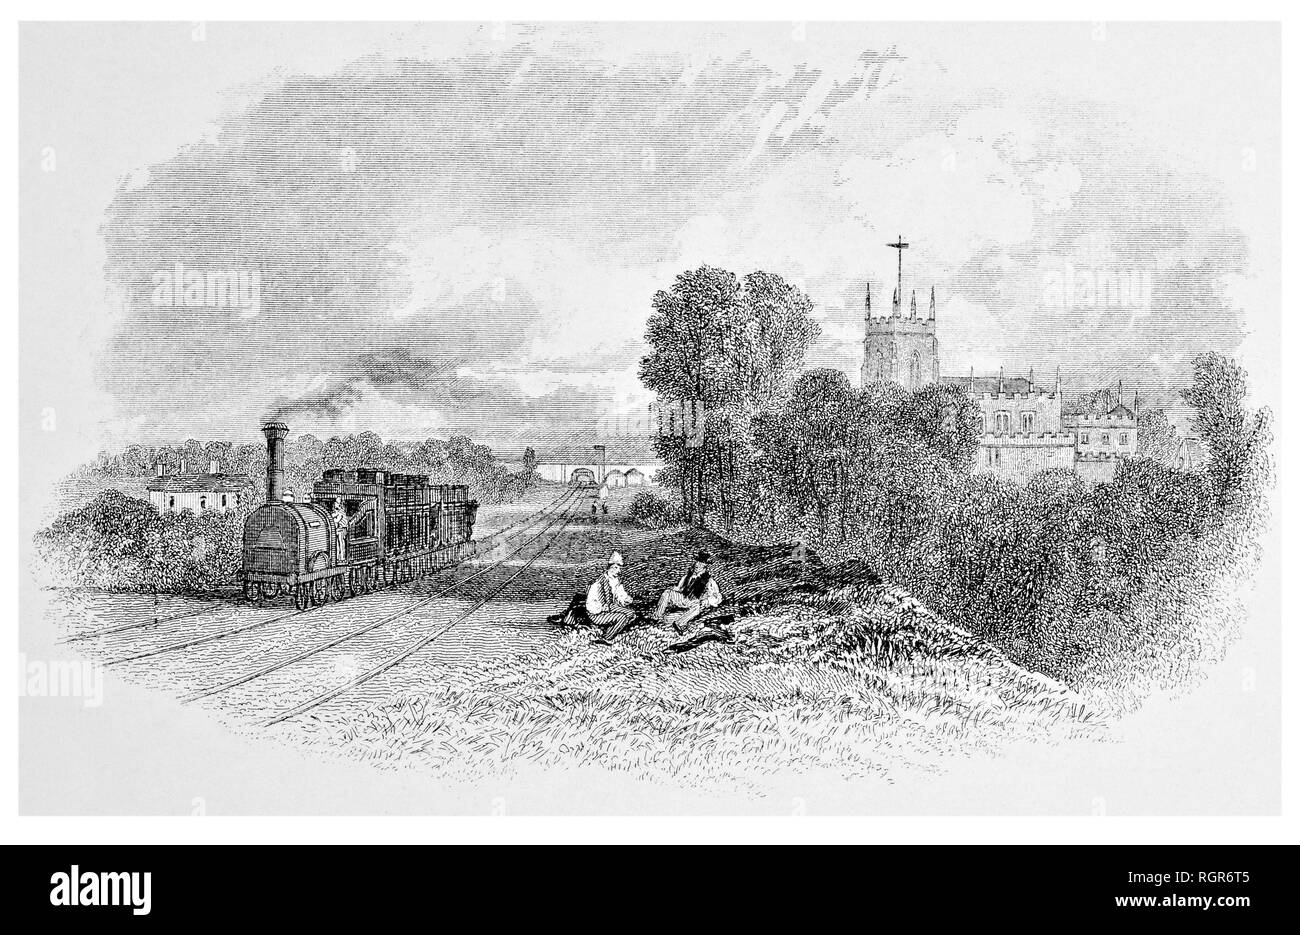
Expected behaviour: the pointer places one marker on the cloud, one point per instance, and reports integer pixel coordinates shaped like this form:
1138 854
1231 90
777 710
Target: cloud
478 237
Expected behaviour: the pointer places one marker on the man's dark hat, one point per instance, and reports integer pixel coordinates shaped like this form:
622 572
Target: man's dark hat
704 557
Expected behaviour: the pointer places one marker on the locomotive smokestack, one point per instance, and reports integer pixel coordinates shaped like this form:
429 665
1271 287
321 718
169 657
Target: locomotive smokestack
275 433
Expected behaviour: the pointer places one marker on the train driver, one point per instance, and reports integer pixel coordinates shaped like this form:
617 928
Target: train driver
340 517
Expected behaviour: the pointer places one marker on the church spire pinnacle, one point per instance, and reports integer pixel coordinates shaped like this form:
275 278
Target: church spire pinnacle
897 301
868 299
913 314
932 303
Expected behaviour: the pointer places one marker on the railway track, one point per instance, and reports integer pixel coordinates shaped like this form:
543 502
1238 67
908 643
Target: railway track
564 500
389 618
107 631
416 645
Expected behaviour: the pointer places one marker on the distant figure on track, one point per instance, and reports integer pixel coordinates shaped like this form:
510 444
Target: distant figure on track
608 604
695 593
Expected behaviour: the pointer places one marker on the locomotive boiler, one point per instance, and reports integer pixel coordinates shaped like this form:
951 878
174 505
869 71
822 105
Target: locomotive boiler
363 529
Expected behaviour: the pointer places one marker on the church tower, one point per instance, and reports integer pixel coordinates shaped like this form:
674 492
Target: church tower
900 348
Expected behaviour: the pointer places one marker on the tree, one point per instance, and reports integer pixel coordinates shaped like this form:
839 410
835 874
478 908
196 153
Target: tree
722 350
1235 439
1157 439
943 417
218 452
193 455
306 448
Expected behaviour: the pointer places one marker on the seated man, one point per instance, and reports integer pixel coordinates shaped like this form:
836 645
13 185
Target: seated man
694 594
608 604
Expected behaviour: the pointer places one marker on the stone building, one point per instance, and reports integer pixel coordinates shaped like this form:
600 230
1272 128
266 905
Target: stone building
1019 425
900 348
1023 427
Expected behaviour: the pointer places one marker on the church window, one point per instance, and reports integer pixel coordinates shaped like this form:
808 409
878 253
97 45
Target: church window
981 425
1026 422
914 371
1002 423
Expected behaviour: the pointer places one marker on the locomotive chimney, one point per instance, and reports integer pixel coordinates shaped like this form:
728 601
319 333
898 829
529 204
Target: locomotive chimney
275 433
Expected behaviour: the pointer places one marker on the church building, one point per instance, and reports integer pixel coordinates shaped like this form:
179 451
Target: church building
1022 425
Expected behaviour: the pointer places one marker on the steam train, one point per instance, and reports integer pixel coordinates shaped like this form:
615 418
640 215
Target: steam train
395 528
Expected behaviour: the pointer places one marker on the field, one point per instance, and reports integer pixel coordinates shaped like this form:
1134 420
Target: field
828 669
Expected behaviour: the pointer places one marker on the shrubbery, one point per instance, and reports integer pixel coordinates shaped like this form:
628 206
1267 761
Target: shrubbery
1066 577
122 543
650 509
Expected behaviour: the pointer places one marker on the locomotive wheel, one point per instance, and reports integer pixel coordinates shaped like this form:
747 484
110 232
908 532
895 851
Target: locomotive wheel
251 590
269 590
354 582
318 593
301 597
336 588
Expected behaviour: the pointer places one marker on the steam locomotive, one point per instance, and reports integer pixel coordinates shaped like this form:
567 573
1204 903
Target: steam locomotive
395 527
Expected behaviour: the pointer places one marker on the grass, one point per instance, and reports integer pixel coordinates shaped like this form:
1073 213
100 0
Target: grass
859 678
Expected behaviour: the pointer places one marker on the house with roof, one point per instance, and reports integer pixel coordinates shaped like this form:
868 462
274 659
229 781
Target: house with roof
199 493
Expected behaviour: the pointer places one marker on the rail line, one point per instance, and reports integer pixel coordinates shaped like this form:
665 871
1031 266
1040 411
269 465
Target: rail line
366 628
417 645
234 631
105 631
215 605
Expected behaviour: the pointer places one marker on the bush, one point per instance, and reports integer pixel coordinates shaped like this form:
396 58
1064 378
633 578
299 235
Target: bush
650 509
122 543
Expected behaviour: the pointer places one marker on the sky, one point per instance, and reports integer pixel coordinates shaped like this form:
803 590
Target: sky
459 228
